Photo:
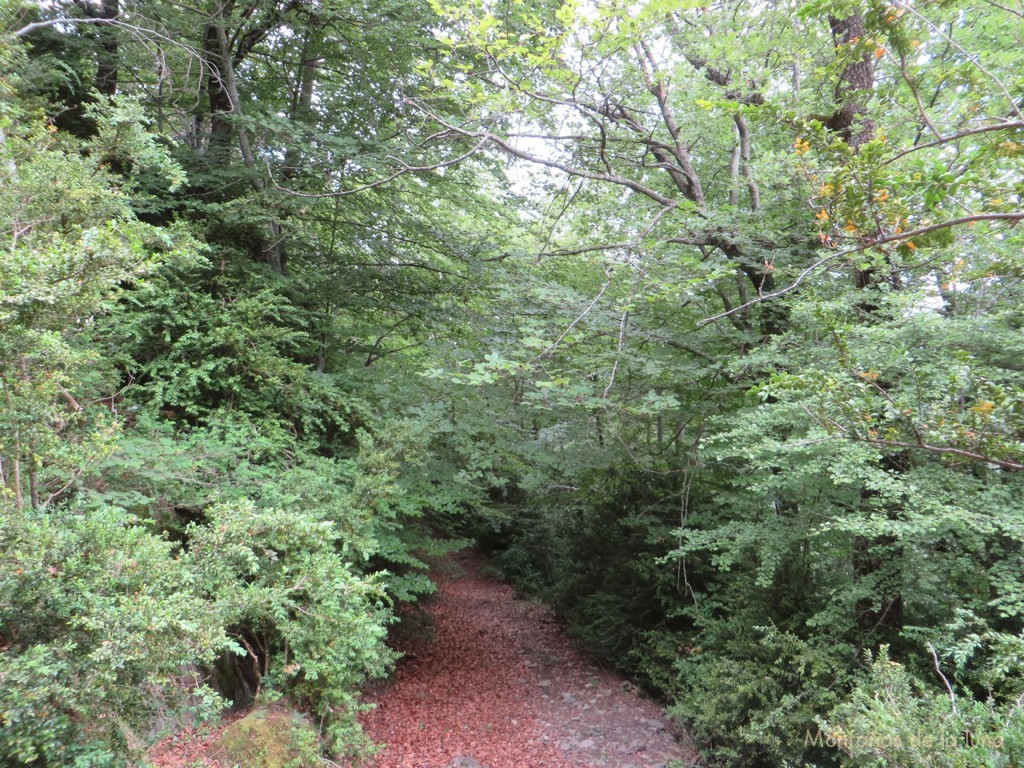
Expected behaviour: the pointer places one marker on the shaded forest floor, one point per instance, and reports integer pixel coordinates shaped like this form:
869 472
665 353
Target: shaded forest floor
492 681
500 684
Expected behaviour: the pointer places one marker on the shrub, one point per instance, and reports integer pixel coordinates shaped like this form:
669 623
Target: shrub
303 621
100 622
754 704
892 719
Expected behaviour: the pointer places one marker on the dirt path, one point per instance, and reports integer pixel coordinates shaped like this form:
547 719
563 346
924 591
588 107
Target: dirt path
503 687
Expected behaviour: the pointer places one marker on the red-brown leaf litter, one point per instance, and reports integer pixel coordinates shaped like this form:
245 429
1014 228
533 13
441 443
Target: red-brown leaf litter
189 748
502 684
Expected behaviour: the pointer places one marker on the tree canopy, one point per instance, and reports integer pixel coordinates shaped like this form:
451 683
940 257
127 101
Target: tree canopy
703 319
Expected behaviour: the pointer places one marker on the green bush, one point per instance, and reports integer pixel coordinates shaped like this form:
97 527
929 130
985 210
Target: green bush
101 626
303 621
892 719
269 737
754 705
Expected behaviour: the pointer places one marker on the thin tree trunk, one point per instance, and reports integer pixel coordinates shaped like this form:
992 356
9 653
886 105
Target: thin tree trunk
16 461
272 245
743 133
302 106
851 120
18 500
218 144
107 63
33 476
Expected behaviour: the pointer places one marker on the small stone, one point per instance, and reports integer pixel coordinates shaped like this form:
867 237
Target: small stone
586 744
656 725
465 762
544 683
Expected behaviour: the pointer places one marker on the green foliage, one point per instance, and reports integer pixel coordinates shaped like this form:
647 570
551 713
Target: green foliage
892 719
72 243
698 458
753 698
306 621
727 368
103 626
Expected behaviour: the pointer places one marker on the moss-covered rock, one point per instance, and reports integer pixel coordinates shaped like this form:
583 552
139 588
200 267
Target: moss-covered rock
269 737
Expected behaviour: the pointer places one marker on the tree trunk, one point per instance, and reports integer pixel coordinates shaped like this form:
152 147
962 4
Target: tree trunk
107 62
854 88
218 145
270 247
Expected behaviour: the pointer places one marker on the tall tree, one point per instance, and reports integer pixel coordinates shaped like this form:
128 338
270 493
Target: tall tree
755 185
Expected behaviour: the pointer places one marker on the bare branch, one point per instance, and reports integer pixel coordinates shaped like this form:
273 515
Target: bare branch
28 29
1004 126
618 354
554 345
70 399
1012 466
142 34
848 433
1015 12
945 681
902 237
691 349
404 169
503 144
683 173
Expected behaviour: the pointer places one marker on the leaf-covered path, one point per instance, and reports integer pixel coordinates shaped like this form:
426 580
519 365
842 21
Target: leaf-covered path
502 685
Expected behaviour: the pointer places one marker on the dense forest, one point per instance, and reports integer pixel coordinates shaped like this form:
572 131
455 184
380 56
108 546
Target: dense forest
704 320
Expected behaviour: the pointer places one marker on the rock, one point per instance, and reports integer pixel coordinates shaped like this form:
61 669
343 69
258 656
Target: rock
465 762
637 746
268 737
656 725
544 683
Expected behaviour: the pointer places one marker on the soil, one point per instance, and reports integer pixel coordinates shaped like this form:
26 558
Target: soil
500 685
